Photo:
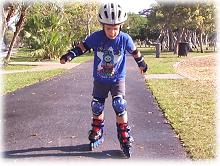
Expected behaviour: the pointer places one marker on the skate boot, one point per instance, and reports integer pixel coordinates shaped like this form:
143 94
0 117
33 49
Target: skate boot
96 134
125 138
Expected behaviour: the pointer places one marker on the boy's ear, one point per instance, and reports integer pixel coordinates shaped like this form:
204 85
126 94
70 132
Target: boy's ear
102 26
121 26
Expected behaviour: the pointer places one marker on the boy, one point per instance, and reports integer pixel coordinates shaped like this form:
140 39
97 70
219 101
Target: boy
110 47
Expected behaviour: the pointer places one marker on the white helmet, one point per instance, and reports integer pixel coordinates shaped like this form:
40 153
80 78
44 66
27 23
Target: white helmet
112 13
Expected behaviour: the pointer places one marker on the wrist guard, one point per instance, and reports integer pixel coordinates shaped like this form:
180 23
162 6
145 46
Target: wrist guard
141 63
75 52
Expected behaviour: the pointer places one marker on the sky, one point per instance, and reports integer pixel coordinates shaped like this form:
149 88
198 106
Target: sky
133 5
136 5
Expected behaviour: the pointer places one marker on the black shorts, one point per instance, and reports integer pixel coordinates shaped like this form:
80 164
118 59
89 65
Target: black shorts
101 90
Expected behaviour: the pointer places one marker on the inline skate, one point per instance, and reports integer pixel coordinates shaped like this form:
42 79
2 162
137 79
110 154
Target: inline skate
125 138
96 134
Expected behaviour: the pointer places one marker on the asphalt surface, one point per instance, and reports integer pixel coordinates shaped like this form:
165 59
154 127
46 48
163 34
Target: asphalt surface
51 120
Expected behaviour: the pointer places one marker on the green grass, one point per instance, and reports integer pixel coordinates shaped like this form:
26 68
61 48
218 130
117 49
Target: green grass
190 108
24 55
16 81
83 58
13 82
164 64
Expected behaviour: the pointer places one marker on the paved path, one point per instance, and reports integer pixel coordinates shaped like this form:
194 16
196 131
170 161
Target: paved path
51 119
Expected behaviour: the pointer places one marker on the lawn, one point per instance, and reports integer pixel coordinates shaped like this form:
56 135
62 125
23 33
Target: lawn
189 106
24 55
16 81
164 64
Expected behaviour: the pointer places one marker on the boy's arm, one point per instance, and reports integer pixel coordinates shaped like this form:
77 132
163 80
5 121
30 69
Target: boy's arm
140 61
80 49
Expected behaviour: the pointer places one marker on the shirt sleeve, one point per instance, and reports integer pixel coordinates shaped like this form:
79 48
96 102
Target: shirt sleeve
130 45
89 41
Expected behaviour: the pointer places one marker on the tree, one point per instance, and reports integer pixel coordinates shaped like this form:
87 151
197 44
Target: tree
51 27
180 22
136 24
10 9
82 18
45 31
204 22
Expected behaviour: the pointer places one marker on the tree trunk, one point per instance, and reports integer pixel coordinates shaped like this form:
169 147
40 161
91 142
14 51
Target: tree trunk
179 33
171 44
189 40
206 41
200 41
7 12
19 27
183 35
194 39
89 18
160 38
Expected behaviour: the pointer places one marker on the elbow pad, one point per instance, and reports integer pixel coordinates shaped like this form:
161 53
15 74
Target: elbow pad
77 51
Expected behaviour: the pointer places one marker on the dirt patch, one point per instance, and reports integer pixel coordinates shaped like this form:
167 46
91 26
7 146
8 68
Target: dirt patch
203 68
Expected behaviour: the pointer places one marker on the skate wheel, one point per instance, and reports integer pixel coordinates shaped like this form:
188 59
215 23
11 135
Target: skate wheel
128 154
126 151
93 145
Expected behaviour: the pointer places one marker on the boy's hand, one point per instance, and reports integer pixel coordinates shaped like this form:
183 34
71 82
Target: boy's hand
143 69
62 61
65 58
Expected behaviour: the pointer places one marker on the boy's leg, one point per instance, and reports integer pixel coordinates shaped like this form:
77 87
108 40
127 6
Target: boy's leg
123 129
100 92
96 132
122 119
119 104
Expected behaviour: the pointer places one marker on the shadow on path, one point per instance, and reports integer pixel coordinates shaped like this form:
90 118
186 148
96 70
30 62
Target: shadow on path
78 150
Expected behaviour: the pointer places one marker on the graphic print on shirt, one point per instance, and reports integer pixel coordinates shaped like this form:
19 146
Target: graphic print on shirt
108 62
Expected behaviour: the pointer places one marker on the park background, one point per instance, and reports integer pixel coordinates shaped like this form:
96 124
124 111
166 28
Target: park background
189 104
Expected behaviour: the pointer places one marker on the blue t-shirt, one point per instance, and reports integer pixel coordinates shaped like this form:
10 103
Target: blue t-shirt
110 55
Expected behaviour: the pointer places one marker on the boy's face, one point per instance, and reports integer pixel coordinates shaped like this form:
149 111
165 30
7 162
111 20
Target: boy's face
111 31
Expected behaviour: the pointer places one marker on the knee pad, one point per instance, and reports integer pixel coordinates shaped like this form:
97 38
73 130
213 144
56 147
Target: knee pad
97 105
119 104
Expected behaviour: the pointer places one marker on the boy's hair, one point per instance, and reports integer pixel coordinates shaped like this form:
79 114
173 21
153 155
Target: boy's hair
112 14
